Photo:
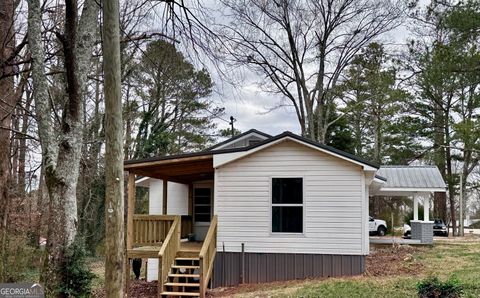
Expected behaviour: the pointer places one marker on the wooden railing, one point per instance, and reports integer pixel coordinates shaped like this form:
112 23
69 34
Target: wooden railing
151 229
207 256
168 251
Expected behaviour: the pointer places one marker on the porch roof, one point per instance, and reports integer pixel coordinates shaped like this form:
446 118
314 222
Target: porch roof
184 168
407 180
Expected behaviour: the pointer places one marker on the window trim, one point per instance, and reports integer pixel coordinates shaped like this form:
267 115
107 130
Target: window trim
271 205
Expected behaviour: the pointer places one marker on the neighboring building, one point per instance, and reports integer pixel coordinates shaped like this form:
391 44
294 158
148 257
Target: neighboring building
283 207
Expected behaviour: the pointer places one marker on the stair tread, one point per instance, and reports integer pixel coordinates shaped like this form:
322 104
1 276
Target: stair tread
183 275
187 259
180 284
185 266
189 294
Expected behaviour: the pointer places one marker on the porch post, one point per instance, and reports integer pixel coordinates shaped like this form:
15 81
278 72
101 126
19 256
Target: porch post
426 208
130 208
415 207
130 212
165 197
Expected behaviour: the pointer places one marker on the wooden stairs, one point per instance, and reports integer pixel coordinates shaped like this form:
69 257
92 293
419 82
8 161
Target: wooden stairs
185 270
183 278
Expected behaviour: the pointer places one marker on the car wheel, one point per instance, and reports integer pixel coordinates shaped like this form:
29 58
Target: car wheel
382 231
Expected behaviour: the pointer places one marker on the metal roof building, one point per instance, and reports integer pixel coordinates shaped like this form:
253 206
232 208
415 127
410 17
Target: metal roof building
407 181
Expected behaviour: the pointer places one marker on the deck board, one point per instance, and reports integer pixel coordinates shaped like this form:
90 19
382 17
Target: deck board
151 251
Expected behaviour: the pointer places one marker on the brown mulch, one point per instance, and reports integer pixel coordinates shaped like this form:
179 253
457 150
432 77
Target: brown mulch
138 288
397 260
388 261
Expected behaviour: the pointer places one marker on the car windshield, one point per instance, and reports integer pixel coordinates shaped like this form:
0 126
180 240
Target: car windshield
438 221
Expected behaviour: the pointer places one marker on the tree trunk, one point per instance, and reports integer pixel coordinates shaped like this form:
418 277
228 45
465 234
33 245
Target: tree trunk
61 160
114 204
7 106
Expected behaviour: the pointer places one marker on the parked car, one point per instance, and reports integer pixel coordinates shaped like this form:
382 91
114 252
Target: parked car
377 226
439 228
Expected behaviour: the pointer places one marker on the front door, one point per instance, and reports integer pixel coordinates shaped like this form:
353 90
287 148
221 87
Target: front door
202 209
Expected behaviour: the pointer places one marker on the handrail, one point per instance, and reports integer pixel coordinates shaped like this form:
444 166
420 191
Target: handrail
207 256
168 251
150 229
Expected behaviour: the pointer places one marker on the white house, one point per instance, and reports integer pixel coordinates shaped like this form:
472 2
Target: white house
261 208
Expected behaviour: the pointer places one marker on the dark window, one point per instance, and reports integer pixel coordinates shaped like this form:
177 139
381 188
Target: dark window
287 205
203 207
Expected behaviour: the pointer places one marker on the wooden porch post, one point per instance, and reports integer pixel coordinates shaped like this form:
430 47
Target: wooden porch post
130 209
130 212
165 197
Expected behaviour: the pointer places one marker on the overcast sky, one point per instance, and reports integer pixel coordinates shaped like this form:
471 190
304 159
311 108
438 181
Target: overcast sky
248 104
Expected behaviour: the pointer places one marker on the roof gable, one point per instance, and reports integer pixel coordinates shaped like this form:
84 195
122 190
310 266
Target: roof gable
227 157
238 138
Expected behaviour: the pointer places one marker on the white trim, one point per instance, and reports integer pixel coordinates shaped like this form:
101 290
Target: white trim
363 213
143 182
226 158
240 139
271 205
411 189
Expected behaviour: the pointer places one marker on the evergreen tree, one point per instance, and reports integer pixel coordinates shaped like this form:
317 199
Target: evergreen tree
375 107
173 99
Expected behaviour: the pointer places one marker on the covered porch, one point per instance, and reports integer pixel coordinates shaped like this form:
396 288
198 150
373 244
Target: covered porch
182 237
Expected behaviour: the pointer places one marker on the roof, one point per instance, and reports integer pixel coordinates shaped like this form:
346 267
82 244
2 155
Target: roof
411 177
248 132
131 163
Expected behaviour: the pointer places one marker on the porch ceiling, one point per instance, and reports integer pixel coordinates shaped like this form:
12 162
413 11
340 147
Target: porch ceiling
182 169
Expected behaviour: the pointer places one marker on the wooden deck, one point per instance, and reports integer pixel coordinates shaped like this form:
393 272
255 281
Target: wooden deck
151 251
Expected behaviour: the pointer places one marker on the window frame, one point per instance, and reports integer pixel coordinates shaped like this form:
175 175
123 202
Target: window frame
271 205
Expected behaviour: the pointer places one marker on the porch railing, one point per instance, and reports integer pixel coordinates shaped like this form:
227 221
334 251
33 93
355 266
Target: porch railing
168 251
207 256
151 229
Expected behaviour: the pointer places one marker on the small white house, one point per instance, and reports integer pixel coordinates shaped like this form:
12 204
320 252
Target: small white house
285 208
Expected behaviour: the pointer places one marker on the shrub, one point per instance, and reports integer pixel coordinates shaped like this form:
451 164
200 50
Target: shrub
432 287
77 276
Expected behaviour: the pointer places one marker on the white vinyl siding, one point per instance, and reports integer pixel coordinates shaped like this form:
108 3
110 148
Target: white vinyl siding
333 201
177 204
177 196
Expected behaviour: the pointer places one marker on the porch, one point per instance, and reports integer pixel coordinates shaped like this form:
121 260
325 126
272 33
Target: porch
185 265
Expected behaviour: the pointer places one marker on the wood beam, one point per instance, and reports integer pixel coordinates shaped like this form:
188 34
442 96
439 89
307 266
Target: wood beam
167 161
165 197
130 208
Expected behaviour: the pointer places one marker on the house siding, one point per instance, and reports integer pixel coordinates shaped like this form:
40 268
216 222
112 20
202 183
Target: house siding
334 204
177 196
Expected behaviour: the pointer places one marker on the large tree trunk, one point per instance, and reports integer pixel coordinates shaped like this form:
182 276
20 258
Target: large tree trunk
114 204
61 160
7 106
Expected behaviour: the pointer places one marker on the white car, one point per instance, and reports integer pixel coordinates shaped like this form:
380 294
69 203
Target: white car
377 226
407 231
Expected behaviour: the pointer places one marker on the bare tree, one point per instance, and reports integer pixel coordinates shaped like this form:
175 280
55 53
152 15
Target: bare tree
7 107
301 47
61 150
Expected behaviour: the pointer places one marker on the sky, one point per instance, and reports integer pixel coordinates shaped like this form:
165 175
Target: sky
249 105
